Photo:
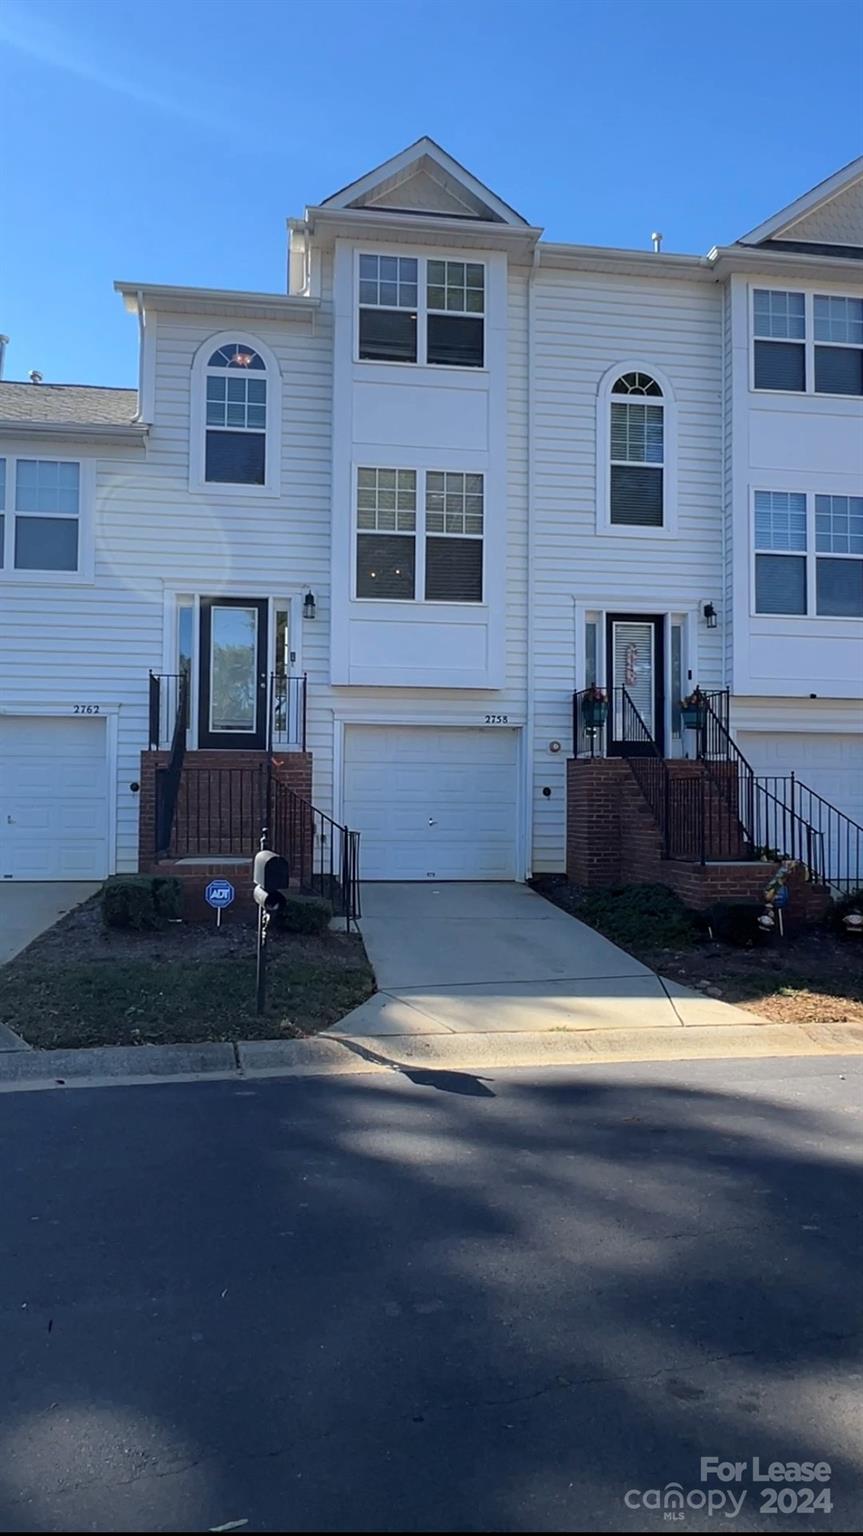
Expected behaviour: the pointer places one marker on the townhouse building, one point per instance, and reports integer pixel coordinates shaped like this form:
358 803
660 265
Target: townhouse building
442 537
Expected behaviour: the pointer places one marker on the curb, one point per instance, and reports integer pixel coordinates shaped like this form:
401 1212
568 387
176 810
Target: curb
105 1066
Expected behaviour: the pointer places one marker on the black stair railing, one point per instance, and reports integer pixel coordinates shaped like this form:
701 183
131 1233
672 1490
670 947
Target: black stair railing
837 838
167 782
322 855
648 766
749 812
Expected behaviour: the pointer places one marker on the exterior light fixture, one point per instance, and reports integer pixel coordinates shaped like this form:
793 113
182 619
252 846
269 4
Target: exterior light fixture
710 616
309 605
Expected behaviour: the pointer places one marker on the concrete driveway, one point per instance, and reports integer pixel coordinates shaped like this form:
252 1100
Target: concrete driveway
28 907
477 957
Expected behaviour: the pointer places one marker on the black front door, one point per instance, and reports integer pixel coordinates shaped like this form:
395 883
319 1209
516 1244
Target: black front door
233 676
635 650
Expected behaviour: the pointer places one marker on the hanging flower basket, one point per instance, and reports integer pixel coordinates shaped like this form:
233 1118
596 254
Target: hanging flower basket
693 711
594 709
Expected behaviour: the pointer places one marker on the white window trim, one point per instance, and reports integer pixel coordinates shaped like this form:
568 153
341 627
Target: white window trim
810 554
807 341
604 525
86 499
198 419
420 536
422 259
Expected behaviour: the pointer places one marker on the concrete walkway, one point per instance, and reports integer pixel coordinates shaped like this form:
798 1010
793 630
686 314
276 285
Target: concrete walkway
28 907
495 958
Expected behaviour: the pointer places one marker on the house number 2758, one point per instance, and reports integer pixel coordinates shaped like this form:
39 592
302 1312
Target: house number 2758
496 719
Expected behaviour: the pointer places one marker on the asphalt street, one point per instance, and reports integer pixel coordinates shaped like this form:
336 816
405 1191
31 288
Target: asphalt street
432 1301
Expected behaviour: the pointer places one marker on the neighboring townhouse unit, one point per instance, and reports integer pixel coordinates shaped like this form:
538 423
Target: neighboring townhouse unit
438 541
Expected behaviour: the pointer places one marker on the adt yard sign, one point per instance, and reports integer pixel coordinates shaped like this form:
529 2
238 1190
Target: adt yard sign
219 894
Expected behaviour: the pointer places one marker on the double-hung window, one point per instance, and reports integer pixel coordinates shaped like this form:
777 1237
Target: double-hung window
388 308
422 310
780 552
455 324
808 554
236 416
779 329
838 334
637 452
419 535
40 506
807 342
839 556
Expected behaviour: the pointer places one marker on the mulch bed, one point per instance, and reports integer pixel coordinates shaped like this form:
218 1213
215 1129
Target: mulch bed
84 984
813 977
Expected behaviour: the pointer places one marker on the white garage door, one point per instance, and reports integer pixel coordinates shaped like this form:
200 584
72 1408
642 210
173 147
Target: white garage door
432 803
53 798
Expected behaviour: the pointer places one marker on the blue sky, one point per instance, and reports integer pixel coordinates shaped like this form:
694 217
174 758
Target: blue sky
169 142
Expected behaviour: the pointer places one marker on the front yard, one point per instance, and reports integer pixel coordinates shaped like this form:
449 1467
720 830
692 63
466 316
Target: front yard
84 984
814 977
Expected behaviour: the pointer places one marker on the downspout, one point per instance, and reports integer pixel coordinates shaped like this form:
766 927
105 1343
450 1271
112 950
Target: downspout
530 710
723 606
139 305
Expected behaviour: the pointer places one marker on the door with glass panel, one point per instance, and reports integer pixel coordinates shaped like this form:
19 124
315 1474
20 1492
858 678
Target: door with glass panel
636 665
232 708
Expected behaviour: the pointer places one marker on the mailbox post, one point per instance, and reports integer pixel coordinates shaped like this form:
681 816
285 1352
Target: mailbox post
270 873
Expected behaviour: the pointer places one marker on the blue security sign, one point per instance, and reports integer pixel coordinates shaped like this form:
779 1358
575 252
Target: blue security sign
219 894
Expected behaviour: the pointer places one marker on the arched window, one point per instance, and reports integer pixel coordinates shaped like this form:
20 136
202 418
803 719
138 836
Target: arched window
635 432
236 390
236 445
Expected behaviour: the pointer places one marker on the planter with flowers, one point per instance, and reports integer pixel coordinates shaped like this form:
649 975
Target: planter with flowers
594 708
693 710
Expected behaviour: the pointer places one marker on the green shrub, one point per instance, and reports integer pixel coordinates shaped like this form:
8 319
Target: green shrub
168 897
141 901
650 916
305 914
736 922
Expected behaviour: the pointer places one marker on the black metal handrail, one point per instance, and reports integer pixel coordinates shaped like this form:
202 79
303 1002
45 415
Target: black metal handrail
219 810
164 698
169 776
788 803
288 711
648 766
322 855
753 813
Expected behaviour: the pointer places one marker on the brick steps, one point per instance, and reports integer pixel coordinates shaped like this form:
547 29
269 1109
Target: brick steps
613 839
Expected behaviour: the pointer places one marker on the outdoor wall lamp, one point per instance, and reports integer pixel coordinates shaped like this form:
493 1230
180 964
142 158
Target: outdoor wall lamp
309 605
710 616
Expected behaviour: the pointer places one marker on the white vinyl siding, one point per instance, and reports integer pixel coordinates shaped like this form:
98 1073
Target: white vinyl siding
585 325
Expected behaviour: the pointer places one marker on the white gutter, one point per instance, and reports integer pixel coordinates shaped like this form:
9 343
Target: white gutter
139 306
135 432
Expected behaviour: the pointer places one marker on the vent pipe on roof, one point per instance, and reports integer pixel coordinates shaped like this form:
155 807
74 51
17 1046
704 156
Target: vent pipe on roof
35 376
4 342
656 237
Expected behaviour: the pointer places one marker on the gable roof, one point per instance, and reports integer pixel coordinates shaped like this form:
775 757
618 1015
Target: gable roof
424 179
84 405
798 221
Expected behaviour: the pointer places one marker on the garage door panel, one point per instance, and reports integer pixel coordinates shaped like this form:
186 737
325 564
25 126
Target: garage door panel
53 798
432 802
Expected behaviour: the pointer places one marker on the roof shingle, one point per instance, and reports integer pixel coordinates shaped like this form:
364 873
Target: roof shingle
84 405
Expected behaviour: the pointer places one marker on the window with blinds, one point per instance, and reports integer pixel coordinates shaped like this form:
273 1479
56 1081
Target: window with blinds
637 452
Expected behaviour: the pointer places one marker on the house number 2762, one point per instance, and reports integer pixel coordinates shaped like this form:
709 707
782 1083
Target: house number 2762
496 719
85 709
